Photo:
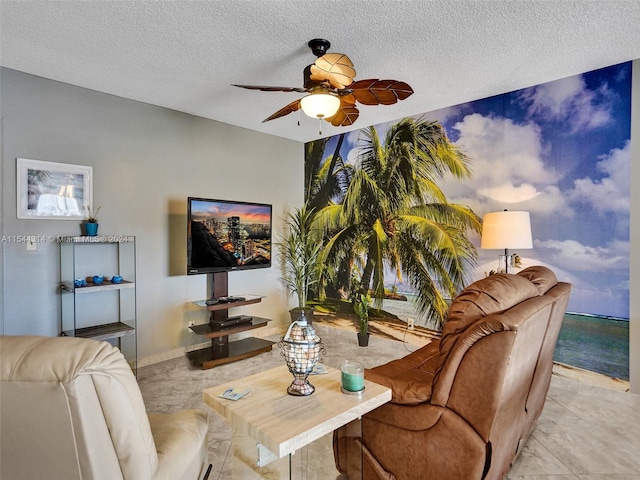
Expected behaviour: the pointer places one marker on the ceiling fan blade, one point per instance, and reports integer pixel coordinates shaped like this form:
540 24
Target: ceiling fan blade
347 114
292 107
272 89
335 68
380 92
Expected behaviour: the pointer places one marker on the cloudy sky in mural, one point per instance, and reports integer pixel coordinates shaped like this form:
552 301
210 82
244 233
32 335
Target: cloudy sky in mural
560 151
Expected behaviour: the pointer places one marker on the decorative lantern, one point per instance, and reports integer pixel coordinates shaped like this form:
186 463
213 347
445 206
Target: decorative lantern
301 349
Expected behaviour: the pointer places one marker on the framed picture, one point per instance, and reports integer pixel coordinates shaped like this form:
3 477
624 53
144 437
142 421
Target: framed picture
49 190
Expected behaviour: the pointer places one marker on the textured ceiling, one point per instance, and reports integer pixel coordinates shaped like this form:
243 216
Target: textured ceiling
184 55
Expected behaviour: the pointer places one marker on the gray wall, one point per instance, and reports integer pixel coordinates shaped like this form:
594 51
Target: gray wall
146 160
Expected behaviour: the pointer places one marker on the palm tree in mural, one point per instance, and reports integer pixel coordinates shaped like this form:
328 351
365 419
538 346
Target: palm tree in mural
326 181
393 215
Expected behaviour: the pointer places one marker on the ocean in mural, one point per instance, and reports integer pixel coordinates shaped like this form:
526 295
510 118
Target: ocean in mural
596 343
599 344
560 151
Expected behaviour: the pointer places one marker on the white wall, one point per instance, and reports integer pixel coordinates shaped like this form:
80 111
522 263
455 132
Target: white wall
634 267
2 176
146 161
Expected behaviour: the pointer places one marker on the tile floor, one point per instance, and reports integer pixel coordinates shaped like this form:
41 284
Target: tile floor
584 433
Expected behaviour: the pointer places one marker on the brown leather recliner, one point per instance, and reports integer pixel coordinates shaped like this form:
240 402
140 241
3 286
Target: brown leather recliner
463 405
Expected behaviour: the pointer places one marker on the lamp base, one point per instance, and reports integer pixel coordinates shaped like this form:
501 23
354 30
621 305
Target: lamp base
508 263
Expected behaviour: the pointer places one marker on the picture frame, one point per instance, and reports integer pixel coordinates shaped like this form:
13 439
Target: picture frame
53 191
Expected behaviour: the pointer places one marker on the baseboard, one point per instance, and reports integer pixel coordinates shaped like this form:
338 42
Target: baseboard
170 355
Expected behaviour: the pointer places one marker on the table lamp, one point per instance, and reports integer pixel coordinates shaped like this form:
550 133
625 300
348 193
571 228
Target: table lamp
505 230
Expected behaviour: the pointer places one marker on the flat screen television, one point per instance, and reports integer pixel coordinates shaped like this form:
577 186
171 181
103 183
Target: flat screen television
224 235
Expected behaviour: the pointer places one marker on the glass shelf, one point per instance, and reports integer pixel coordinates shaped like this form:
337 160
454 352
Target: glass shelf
248 300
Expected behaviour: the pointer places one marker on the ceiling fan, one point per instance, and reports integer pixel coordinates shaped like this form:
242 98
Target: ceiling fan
332 91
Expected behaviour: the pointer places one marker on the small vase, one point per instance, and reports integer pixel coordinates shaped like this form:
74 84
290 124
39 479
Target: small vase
363 339
91 229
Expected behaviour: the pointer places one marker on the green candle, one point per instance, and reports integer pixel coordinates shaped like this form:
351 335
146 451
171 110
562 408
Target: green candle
352 376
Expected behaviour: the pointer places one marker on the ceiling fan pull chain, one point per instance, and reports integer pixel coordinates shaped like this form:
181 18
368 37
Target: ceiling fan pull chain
298 117
320 126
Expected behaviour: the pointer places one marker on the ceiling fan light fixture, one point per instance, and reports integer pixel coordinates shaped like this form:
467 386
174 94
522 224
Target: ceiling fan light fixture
320 104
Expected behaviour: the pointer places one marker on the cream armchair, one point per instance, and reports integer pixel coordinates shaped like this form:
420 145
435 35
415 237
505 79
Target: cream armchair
70 408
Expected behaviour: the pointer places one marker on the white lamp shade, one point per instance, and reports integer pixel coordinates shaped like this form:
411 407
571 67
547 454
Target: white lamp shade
506 230
320 105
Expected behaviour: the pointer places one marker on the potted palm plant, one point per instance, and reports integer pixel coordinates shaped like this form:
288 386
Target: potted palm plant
300 249
361 307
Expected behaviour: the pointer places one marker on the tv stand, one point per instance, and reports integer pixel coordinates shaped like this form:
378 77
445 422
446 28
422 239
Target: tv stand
220 326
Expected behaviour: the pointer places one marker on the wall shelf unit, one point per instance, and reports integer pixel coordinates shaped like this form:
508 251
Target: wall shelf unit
106 311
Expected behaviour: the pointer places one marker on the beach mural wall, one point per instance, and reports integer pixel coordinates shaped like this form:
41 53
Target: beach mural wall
560 151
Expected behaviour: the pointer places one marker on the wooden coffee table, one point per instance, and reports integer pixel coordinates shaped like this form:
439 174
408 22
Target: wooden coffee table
269 425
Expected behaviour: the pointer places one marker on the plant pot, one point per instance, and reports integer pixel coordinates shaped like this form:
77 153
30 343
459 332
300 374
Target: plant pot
91 229
308 313
363 339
